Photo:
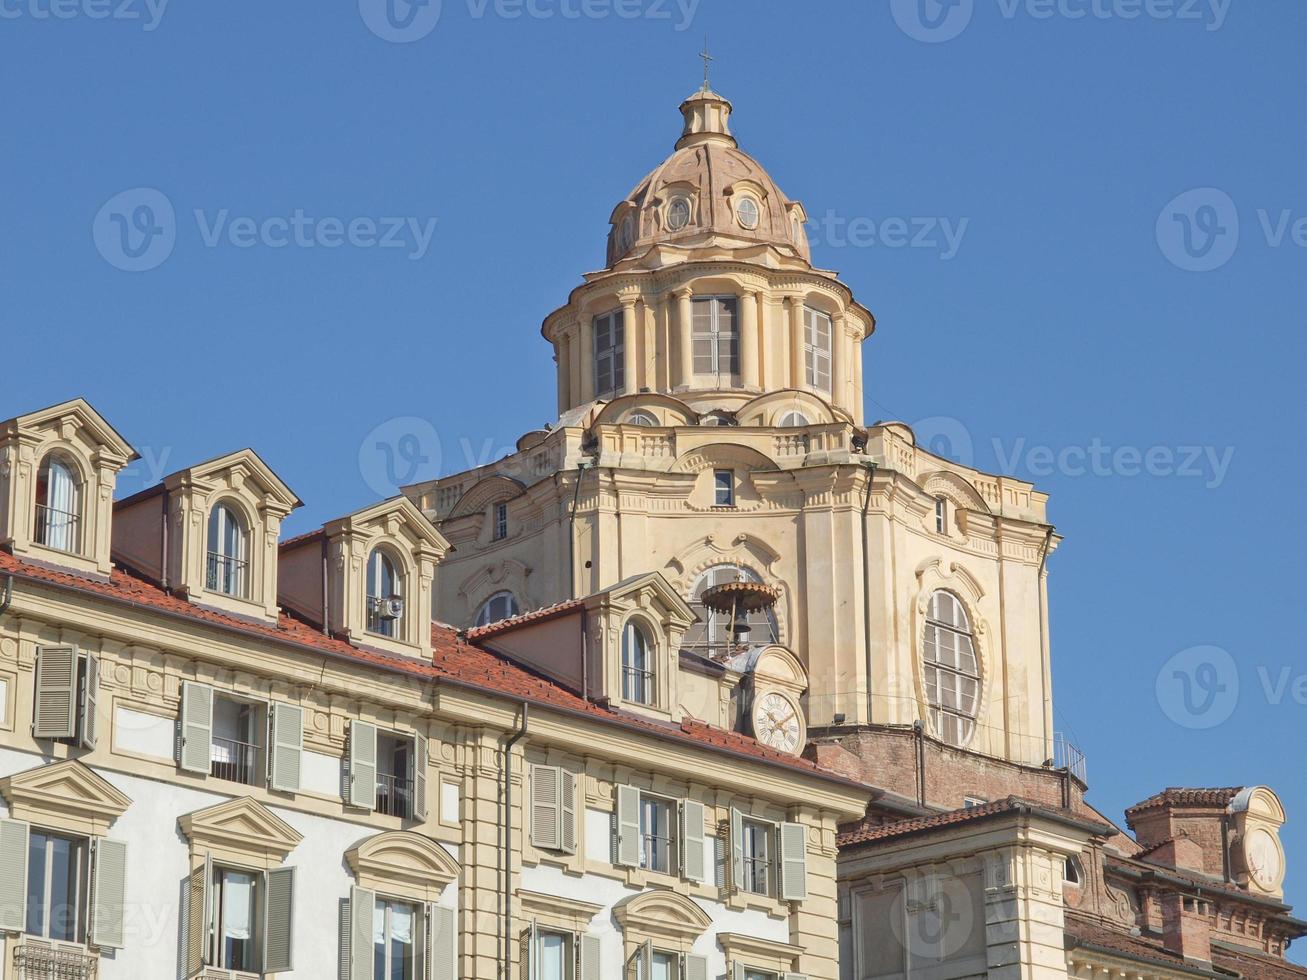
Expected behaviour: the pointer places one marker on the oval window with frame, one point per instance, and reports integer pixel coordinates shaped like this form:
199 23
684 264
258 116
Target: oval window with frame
747 213
678 214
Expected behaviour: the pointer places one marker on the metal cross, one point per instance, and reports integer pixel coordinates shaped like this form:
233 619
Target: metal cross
707 59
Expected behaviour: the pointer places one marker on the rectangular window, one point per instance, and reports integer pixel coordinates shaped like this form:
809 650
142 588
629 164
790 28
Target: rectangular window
973 801
501 521
394 785
233 919
716 338
656 965
724 488
817 335
56 887
236 747
609 354
941 515
757 857
555 957
657 835
759 975
395 927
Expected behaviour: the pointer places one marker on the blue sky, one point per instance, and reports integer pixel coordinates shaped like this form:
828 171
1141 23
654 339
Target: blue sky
1005 183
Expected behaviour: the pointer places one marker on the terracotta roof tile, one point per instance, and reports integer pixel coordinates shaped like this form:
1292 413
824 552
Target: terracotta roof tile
1249 963
914 825
1187 796
534 616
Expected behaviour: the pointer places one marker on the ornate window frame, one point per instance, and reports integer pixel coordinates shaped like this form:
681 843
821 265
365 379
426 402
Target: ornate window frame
667 919
403 864
936 575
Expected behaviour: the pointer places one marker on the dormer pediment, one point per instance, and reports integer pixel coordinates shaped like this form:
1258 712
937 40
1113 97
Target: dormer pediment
241 471
243 828
67 795
650 592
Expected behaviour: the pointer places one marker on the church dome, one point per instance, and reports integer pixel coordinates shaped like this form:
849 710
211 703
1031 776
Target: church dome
708 192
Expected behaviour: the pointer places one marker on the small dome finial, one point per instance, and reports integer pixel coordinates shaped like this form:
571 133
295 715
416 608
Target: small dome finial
707 62
707 114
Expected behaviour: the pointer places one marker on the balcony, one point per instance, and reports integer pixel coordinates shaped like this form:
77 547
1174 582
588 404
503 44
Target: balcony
56 528
1067 756
226 574
237 762
36 960
394 796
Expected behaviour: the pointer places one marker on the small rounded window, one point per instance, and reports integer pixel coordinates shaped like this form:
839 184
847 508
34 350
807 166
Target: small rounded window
678 214
637 665
793 420
641 418
58 504
385 596
500 606
227 567
747 213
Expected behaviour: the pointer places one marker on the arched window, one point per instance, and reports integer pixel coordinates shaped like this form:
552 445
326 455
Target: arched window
385 595
712 634
228 564
641 418
794 420
952 671
637 665
500 606
58 504
817 332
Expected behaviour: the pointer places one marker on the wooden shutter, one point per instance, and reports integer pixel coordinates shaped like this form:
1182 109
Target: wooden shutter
54 714
628 826
89 721
197 727
793 862
286 747
278 919
361 905
363 767
13 875
696 967
544 808
588 966
530 953
108 893
692 841
442 964
567 811
419 777
197 916
737 850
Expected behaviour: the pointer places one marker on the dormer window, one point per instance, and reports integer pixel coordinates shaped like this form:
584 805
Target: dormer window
58 504
500 606
385 596
228 562
747 213
637 665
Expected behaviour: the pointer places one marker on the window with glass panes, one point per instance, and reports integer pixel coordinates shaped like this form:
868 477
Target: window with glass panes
637 665
817 333
233 919
952 671
394 940
56 886
716 339
609 354
757 857
657 835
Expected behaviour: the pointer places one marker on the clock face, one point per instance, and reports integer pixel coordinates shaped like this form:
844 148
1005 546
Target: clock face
1263 858
777 723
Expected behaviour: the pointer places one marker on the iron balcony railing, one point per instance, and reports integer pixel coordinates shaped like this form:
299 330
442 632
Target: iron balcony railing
394 796
36 961
235 761
226 574
56 528
1067 756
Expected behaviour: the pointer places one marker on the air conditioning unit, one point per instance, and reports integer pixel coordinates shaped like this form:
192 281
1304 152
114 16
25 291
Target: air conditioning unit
390 608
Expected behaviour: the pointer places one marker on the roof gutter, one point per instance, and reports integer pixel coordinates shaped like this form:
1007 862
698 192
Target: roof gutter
506 837
9 593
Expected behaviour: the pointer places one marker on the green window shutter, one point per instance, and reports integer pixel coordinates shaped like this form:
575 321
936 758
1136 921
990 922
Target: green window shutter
589 958
419 776
737 850
363 766
278 919
567 811
89 721
692 841
544 808
13 875
696 968
54 714
287 747
361 905
197 727
197 916
443 962
628 826
793 862
108 893
530 953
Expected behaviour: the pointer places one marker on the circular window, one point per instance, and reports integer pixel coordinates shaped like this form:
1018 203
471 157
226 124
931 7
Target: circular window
747 212
678 214
952 672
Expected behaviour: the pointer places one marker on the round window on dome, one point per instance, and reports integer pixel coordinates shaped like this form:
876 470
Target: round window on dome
747 213
678 214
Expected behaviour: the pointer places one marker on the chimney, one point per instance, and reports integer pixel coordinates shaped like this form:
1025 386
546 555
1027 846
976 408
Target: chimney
1178 852
1186 927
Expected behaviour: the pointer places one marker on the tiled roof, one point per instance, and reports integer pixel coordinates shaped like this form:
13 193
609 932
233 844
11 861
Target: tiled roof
453 659
1246 963
916 825
534 616
1186 796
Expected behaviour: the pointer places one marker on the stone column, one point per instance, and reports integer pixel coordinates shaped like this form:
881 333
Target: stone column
798 371
749 338
839 362
586 359
630 346
685 326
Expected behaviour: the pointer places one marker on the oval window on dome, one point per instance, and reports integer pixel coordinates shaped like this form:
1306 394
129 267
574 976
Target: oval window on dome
747 213
678 214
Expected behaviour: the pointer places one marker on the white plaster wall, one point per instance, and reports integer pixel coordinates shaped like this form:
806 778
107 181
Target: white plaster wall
159 861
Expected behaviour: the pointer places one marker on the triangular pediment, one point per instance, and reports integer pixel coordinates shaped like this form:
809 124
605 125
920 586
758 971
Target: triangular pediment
241 467
652 589
75 419
397 518
63 792
242 824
